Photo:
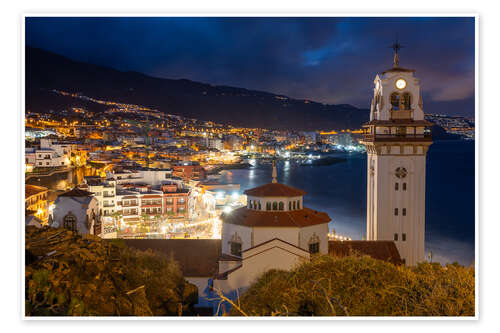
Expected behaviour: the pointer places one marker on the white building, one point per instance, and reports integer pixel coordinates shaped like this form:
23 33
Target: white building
396 142
76 210
274 231
104 192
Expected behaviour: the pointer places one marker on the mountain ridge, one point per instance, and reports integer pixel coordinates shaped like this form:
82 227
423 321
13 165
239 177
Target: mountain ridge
219 103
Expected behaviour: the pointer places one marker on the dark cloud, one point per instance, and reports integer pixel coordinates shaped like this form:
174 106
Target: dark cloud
331 60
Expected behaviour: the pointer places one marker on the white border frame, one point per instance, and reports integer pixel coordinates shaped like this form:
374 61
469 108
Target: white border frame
266 13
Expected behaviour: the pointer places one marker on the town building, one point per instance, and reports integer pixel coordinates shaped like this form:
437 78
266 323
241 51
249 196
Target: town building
35 201
397 139
76 210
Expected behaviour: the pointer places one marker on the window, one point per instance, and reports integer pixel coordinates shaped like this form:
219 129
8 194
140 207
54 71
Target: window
294 203
298 204
395 211
236 249
404 261
69 222
235 245
404 186
406 101
314 248
395 237
396 186
404 211
281 205
260 208
395 101
268 206
403 237
289 205
275 205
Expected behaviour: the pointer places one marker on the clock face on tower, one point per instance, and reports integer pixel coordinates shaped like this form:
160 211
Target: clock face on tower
400 84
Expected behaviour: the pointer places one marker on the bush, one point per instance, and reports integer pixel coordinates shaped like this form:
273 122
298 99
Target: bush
72 275
361 286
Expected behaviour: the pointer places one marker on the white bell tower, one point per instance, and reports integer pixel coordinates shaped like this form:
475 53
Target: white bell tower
396 139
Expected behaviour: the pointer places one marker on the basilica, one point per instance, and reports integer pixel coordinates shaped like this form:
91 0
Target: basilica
276 231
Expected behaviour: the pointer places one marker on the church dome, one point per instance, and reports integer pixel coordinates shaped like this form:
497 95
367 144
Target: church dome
274 190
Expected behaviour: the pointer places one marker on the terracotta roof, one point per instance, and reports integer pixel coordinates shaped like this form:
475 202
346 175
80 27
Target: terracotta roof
196 257
381 250
76 192
274 190
30 190
296 218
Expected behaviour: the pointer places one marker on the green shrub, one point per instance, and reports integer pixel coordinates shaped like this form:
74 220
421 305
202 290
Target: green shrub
361 286
71 275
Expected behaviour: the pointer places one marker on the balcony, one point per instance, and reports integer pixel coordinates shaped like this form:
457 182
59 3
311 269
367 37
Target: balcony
397 137
401 114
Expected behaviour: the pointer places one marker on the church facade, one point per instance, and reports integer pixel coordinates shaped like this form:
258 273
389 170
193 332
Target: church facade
397 139
274 231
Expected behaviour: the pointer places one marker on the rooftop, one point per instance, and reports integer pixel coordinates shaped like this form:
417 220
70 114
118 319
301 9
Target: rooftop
76 192
30 190
296 218
196 257
381 250
274 190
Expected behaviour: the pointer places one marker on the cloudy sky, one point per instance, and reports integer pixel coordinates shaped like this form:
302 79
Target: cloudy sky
330 60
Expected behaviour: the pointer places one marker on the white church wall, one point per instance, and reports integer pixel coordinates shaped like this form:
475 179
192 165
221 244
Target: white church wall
287 234
229 230
320 230
272 255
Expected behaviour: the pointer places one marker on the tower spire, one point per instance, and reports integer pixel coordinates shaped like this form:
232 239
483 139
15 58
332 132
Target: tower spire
274 172
396 46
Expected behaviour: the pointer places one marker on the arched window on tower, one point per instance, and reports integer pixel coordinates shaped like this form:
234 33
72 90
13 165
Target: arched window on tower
281 205
298 204
406 101
69 222
260 208
289 205
268 206
294 205
275 205
395 101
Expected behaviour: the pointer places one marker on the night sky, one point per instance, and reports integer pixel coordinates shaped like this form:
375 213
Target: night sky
330 60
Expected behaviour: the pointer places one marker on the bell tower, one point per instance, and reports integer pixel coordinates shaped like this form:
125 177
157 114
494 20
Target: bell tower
397 139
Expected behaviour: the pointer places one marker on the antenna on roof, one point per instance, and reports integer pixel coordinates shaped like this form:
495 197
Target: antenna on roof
274 172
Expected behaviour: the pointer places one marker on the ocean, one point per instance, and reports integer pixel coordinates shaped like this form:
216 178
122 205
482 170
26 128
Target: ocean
340 190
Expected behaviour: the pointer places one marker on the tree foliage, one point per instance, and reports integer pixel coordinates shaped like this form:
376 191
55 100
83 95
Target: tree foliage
72 275
361 286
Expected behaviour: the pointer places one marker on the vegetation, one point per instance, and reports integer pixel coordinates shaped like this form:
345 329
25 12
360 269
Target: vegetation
360 286
72 275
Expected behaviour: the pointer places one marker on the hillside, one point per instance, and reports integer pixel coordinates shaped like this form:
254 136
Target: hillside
237 106
361 286
72 275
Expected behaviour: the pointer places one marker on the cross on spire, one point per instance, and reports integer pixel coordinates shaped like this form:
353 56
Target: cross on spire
396 46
